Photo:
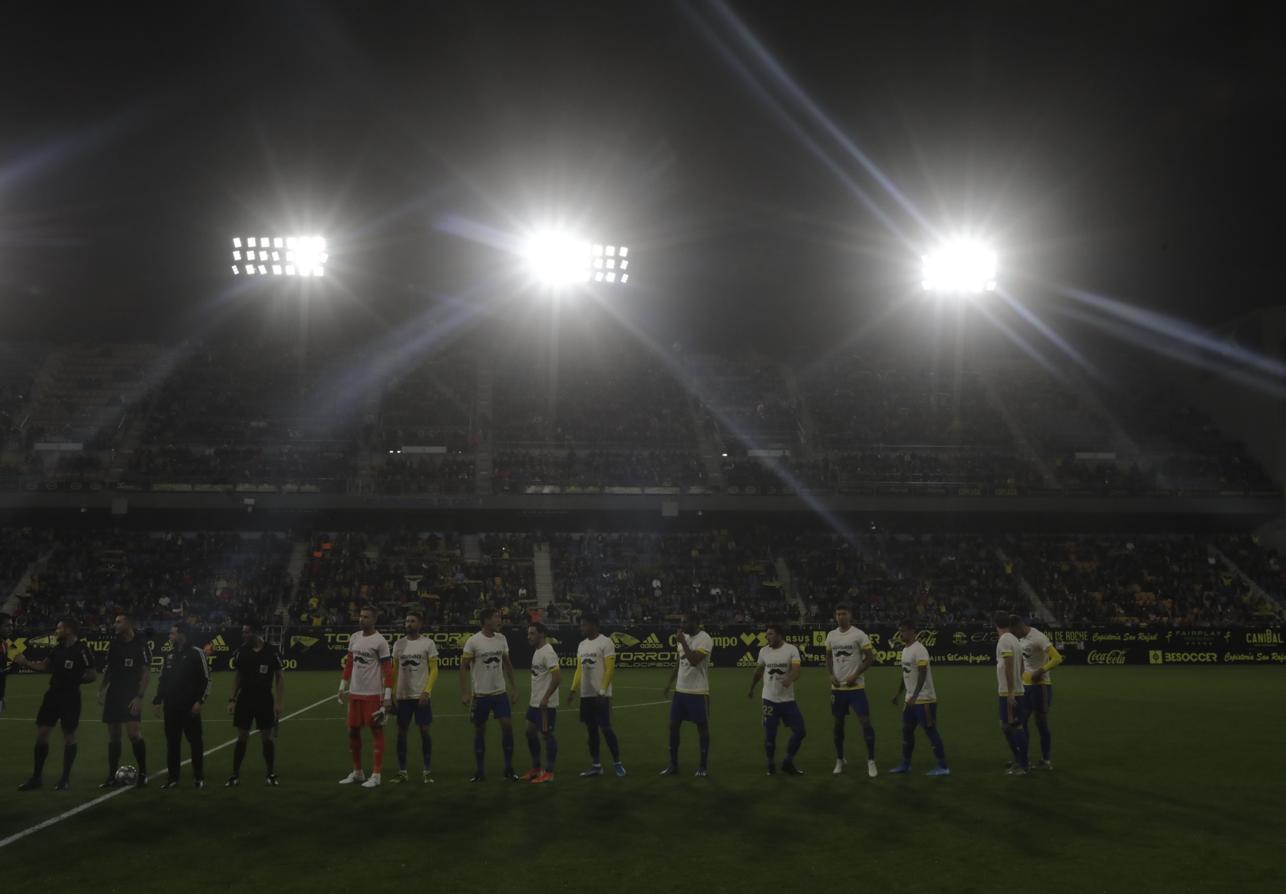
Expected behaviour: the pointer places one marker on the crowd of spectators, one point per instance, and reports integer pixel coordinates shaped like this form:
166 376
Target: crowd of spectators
1138 580
653 578
206 578
426 473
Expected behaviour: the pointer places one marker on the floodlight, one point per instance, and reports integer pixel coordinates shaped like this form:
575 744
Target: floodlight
558 259
304 255
960 267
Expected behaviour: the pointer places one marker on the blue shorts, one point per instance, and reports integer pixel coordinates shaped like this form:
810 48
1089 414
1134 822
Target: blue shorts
845 700
409 709
689 706
596 710
783 712
1020 710
1039 699
486 705
923 714
544 719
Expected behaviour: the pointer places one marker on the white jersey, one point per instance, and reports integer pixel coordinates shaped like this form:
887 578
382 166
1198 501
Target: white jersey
1007 647
488 653
916 656
847 648
777 664
695 679
1035 646
367 655
412 658
591 658
544 661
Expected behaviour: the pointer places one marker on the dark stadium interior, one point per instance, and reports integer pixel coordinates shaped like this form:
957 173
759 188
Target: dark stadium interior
729 315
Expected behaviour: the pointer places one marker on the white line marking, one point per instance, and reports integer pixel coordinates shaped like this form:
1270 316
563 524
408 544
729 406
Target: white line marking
81 808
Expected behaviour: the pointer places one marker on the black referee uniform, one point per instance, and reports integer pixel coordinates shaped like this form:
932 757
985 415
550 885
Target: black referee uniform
67 665
257 670
127 662
185 683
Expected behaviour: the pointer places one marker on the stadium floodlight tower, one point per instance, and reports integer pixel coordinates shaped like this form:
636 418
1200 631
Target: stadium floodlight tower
557 260
302 256
959 268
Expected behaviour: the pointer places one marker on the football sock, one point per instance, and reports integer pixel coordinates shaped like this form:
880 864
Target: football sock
69 758
113 757
401 749
674 745
140 754
609 736
533 746
355 748
42 753
551 753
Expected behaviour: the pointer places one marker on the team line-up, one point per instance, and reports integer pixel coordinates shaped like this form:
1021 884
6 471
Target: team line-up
378 681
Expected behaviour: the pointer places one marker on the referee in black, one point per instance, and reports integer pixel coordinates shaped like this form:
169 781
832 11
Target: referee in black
70 665
6 631
185 683
125 682
259 671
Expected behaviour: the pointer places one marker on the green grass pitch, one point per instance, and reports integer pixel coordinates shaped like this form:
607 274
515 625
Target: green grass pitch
1167 779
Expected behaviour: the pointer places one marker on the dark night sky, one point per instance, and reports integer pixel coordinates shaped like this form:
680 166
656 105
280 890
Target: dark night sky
1128 148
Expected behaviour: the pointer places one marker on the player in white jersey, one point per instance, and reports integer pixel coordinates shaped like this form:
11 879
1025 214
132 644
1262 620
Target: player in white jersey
367 684
487 687
1039 658
849 654
542 706
921 707
595 668
691 682
415 658
779 666
1009 686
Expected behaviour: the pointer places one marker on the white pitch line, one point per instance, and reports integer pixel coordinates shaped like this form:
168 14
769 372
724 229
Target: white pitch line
81 808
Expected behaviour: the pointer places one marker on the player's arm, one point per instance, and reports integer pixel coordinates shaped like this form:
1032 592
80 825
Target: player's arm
40 664
466 664
830 666
575 681
1009 682
91 672
510 686
868 659
205 682
345 676
386 665
279 682
609 671
1053 658
144 682
102 685
236 690
433 678
693 656
922 674
555 680
901 689
754 681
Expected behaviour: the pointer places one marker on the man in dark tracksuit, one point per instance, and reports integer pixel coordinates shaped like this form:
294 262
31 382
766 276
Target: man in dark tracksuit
185 683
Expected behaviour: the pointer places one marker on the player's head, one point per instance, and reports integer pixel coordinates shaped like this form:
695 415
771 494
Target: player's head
907 629
536 634
1018 626
843 615
178 633
589 625
691 623
6 625
414 621
1003 621
67 629
775 633
251 631
490 619
366 617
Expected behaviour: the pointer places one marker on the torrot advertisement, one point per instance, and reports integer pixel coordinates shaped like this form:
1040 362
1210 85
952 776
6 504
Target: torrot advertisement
323 648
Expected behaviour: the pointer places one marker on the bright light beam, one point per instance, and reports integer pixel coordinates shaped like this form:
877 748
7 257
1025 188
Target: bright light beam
960 267
557 260
303 256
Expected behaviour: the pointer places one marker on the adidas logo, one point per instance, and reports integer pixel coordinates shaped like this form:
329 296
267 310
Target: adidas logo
217 644
746 660
652 642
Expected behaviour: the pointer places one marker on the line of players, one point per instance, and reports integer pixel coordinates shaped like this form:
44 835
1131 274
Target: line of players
377 680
